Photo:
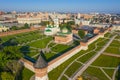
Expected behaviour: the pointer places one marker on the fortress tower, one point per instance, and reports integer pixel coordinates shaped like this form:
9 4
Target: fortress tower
41 69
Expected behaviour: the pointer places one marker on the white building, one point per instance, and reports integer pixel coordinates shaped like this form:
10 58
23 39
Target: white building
32 20
3 28
83 22
52 29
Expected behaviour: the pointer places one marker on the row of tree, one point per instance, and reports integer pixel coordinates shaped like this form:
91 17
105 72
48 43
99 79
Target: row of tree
26 26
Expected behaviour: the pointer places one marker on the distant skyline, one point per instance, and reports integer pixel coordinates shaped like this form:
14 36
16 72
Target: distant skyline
107 6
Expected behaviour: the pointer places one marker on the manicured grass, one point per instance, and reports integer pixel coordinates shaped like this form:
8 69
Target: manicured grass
21 35
24 37
49 55
60 47
113 50
109 72
31 54
41 43
114 47
26 74
96 73
64 78
118 37
86 57
106 61
102 43
73 68
108 35
115 43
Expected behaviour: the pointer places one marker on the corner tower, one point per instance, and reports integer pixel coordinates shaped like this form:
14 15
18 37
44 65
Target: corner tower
41 68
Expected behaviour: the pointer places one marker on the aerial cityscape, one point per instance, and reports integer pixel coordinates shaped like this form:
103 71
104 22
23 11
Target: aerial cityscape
60 40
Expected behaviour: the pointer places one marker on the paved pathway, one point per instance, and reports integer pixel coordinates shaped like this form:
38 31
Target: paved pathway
111 54
84 67
114 74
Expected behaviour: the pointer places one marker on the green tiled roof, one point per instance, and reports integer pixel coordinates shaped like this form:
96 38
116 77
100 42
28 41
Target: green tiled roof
48 30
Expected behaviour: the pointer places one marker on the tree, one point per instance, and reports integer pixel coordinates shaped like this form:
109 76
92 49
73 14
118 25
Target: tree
1 47
26 26
12 53
107 21
7 76
71 23
44 23
14 28
15 68
81 33
11 42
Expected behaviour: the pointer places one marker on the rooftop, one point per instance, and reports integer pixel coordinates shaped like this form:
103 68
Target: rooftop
40 63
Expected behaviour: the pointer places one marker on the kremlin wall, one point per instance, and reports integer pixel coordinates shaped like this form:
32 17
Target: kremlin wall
42 74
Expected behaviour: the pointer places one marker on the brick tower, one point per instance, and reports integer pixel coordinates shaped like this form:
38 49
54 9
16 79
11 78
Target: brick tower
41 69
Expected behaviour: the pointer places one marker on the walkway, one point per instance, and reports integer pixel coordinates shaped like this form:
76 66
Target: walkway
84 67
111 54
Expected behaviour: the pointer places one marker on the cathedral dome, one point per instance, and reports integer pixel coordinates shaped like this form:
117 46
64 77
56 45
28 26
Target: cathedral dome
64 30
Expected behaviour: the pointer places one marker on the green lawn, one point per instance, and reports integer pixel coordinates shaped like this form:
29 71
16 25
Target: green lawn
60 47
106 61
118 37
73 68
86 57
96 73
26 74
41 43
113 50
114 47
109 72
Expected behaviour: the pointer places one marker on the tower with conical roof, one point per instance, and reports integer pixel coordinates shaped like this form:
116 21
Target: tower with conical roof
41 68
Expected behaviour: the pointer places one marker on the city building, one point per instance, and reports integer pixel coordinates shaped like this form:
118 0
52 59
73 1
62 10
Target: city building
29 20
82 22
3 28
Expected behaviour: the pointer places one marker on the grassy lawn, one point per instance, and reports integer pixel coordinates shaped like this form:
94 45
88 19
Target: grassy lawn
60 47
96 73
108 35
114 47
26 74
106 61
113 50
109 72
118 37
102 43
115 43
21 35
49 55
64 78
73 68
41 43
86 57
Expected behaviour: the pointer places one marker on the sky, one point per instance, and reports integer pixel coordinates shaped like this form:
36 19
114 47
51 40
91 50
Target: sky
61 5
